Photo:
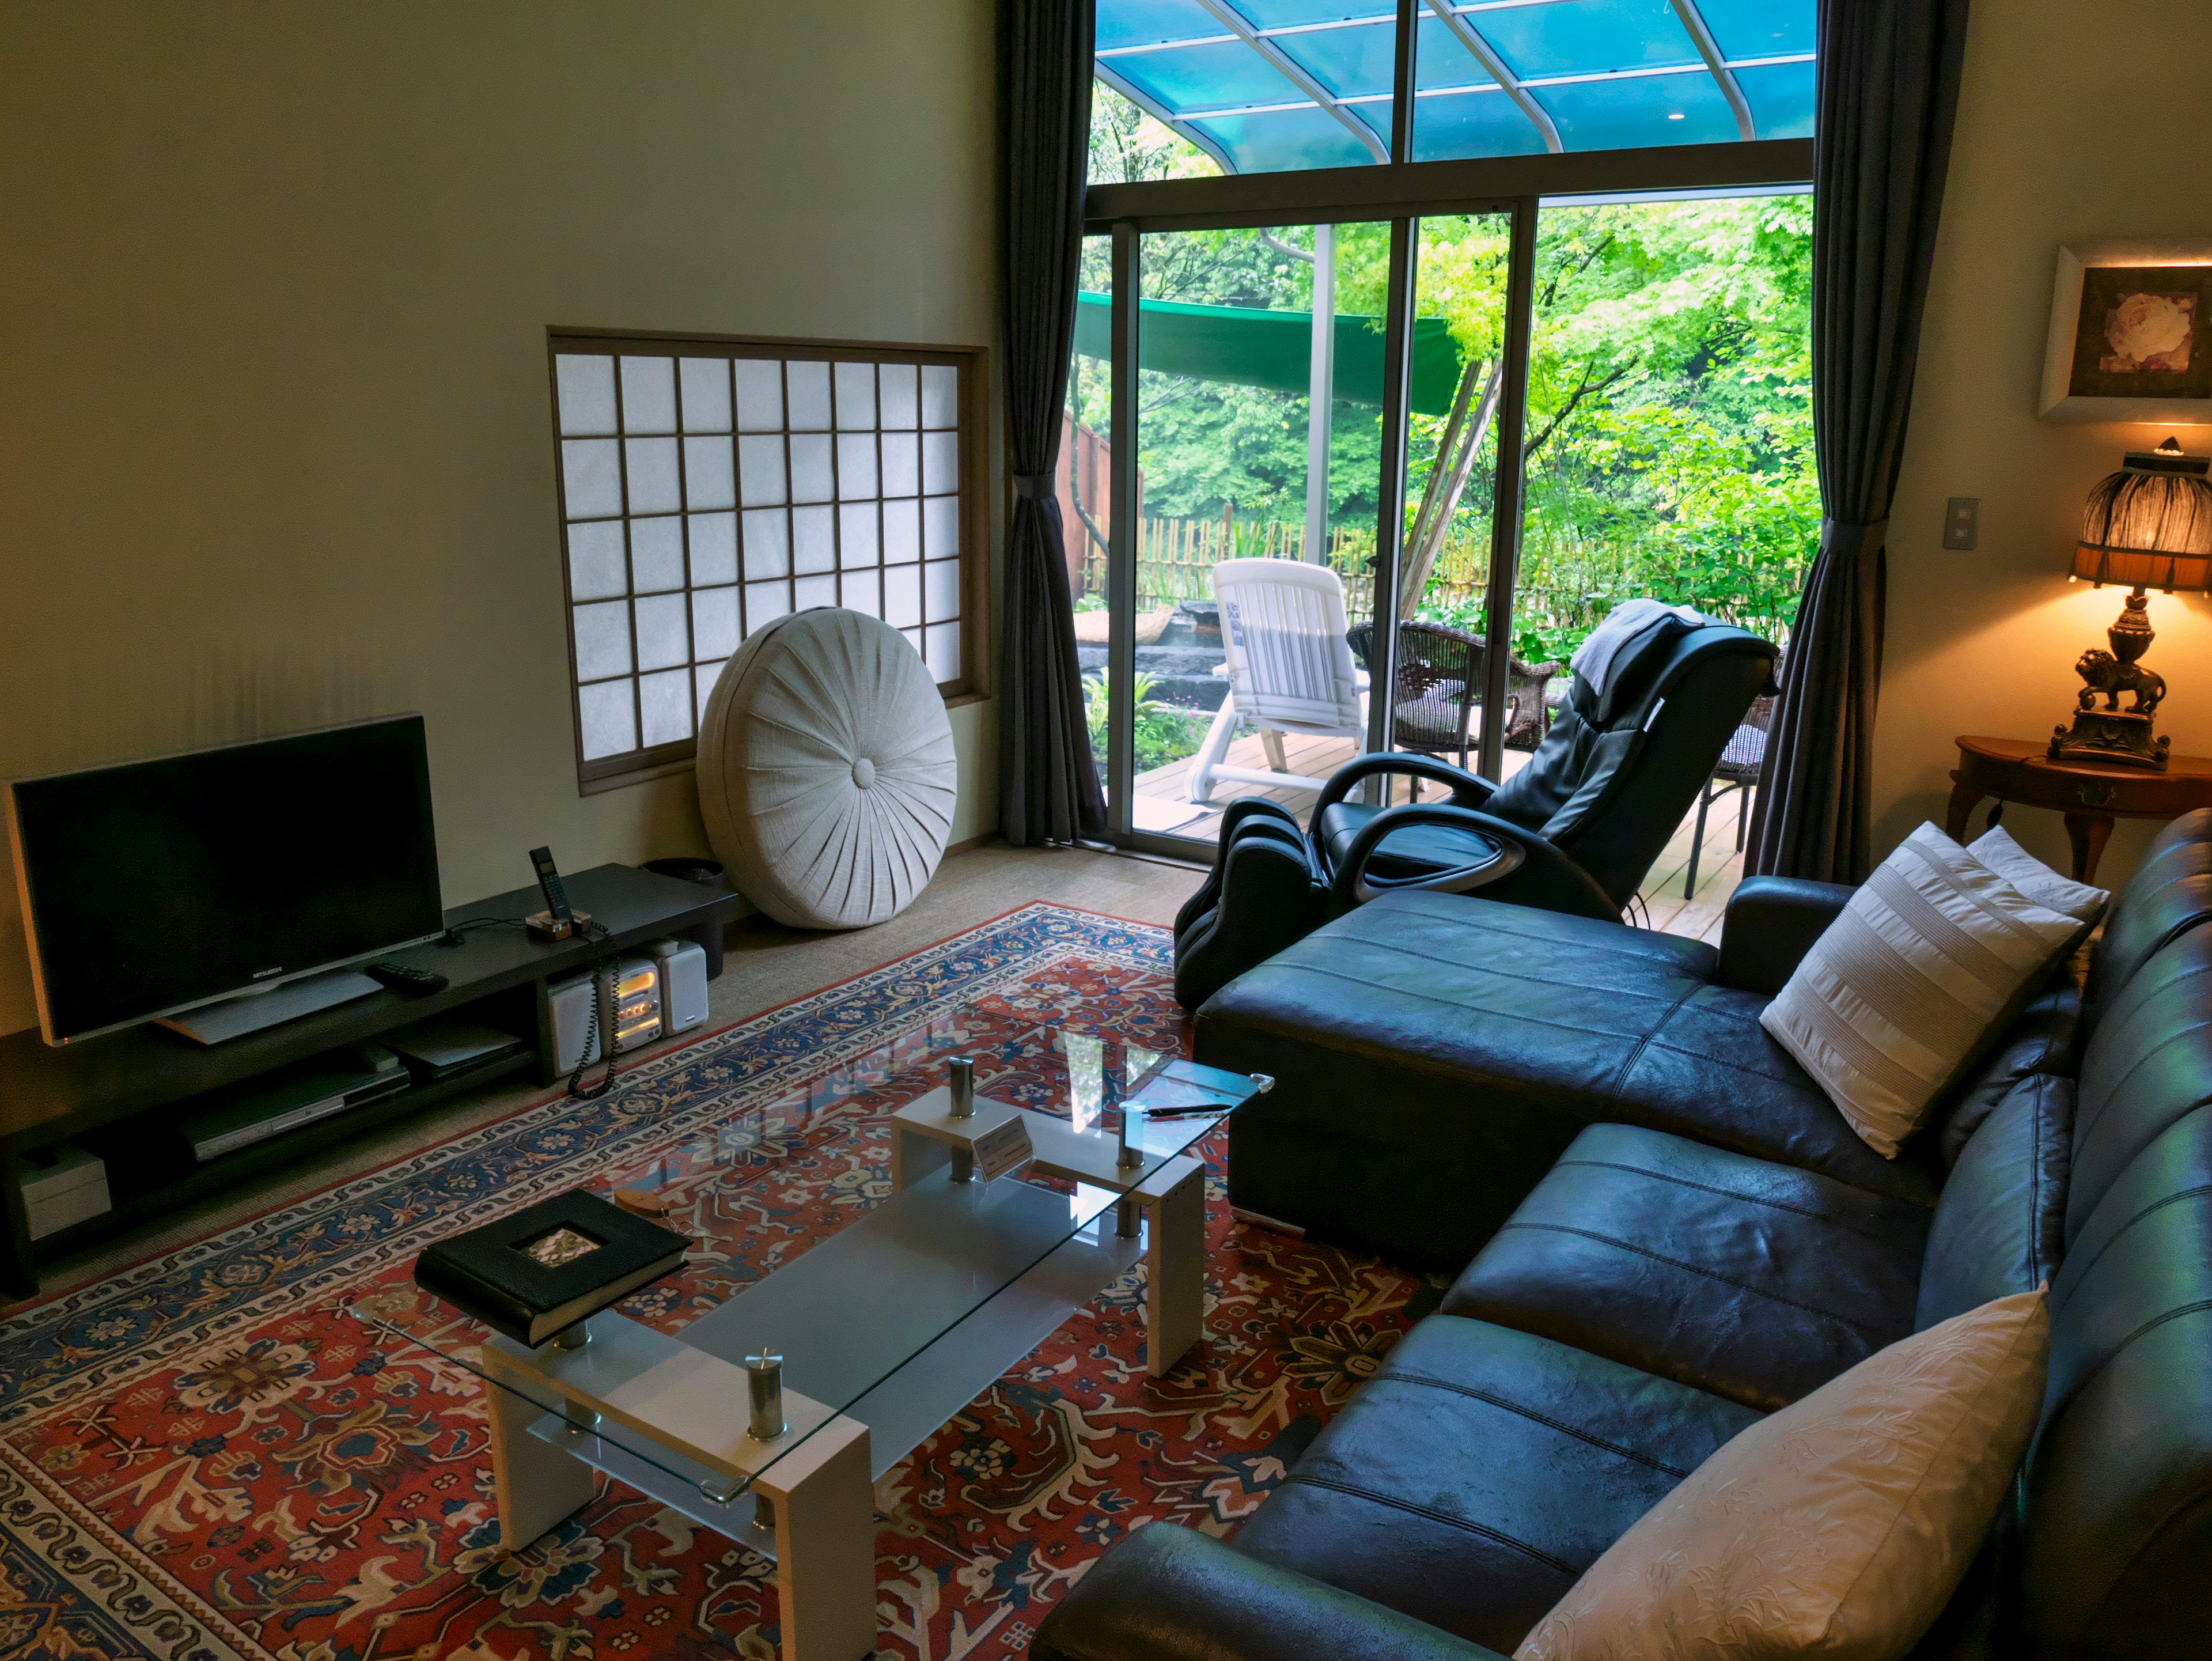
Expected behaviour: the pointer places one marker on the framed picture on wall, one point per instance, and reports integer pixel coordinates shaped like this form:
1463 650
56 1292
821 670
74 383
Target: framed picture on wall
2130 333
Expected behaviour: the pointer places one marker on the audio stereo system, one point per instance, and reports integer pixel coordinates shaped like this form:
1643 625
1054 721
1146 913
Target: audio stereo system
655 995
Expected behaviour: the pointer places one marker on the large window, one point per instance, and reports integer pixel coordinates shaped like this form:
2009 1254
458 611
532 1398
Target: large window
1495 308
709 487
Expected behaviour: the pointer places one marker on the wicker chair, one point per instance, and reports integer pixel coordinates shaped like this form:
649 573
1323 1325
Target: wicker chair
1528 683
1440 676
1737 770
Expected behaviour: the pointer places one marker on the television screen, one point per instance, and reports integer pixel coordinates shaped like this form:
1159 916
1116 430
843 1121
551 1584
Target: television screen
155 885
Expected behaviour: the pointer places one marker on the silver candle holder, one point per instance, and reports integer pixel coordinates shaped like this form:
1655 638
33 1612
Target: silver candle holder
961 1084
765 1382
1129 1155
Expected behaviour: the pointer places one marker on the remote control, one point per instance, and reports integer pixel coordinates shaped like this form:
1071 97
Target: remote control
401 978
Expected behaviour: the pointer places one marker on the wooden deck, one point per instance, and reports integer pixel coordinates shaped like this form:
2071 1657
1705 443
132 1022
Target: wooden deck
1162 806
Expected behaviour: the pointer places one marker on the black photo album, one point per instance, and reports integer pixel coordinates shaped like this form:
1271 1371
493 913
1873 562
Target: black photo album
550 1265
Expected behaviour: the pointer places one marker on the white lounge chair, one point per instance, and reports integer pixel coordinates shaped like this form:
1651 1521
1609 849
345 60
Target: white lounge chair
1289 669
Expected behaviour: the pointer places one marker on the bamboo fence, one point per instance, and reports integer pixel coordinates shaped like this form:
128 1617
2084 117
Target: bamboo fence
1564 584
1175 559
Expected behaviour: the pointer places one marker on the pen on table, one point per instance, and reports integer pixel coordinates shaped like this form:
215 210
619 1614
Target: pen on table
1186 1112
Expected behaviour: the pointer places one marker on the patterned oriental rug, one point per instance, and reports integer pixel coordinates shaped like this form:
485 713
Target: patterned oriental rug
206 1456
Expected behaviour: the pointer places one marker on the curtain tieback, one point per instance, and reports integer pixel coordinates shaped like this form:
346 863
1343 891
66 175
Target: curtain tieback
1037 487
1842 533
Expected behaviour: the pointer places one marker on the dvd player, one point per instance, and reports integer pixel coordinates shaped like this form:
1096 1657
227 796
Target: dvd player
296 1096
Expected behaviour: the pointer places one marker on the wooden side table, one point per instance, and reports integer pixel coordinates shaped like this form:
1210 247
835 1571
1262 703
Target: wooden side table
2090 795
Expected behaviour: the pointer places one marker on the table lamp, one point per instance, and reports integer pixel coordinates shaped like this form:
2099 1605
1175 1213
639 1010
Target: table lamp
2148 526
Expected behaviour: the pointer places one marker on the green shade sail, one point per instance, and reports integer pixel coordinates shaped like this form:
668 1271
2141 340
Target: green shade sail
1250 347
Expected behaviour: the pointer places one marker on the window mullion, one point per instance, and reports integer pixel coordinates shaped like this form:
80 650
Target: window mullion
629 555
1390 494
689 589
1505 520
1122 537
1403 77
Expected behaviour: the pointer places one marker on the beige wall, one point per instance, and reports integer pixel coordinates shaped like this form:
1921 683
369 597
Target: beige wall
274 286
2060 137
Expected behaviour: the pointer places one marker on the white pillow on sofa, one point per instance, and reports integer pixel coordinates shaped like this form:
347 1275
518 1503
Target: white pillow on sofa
1838 1527
1995 848
1933 953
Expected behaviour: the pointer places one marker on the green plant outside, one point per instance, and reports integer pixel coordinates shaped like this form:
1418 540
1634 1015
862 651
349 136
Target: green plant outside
1164 735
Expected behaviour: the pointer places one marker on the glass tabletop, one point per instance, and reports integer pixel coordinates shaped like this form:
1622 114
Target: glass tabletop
881 1297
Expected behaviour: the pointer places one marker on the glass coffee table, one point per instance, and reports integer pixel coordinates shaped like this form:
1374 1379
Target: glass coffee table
891 1304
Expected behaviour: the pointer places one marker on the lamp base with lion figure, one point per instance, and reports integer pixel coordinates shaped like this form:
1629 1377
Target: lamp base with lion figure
2113 734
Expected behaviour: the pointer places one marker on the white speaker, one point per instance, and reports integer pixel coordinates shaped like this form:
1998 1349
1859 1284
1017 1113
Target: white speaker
683 983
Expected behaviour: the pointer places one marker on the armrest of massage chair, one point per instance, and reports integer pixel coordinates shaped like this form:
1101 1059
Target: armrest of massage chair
1527 870
1467 789
1335 816
1172 1594
1770 925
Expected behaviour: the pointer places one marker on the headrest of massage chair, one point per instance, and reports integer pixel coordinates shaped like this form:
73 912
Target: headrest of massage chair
1654 667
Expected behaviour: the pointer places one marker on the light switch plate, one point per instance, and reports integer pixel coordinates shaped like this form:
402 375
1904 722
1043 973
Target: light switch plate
1962 522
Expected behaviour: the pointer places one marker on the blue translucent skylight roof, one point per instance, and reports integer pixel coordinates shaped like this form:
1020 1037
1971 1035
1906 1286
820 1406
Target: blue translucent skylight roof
1267 86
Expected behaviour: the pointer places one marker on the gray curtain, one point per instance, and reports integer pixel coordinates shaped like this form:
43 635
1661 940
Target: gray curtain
1047 787
1888 89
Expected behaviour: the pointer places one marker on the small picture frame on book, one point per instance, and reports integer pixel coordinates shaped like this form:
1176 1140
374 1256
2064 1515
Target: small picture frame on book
2131 333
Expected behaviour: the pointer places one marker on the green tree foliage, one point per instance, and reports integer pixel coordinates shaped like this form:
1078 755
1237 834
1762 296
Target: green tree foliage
1669 426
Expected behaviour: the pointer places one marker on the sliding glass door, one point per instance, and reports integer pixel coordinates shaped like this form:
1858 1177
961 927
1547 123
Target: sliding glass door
1260 395
1593 401
1509 219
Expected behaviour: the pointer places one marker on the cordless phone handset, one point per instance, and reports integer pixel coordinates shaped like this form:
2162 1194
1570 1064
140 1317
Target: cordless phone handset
548 879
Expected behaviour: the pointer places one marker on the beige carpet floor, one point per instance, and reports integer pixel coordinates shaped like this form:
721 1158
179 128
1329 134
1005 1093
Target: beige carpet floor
768 964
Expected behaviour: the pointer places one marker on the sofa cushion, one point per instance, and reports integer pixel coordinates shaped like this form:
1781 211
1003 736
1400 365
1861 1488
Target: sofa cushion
1999 1225
2148 1064
2120 1495
2168 894
1472 1481
1434 1054
1164 1593
1712 1074
2044 1038
1840 1526
1751 1279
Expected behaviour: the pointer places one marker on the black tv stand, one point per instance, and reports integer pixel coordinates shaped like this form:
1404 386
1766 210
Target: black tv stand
496 976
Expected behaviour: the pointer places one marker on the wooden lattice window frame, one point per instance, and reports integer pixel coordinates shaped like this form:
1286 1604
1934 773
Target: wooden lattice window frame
881 586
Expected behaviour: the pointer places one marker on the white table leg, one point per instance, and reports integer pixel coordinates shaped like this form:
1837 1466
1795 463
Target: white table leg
914 1157
1174 1270
825 1528
538 1485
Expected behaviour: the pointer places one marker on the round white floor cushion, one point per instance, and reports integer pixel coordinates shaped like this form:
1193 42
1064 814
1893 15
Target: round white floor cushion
826 770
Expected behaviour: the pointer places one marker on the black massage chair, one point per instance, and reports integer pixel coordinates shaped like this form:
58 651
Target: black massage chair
1575 831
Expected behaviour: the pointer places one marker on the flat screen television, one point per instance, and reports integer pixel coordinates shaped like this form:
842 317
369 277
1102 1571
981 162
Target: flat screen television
152 887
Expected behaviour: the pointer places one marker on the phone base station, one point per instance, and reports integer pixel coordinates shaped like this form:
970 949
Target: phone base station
545 926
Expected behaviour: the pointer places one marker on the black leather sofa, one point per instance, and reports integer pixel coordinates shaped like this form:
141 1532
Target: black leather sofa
1703 1249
